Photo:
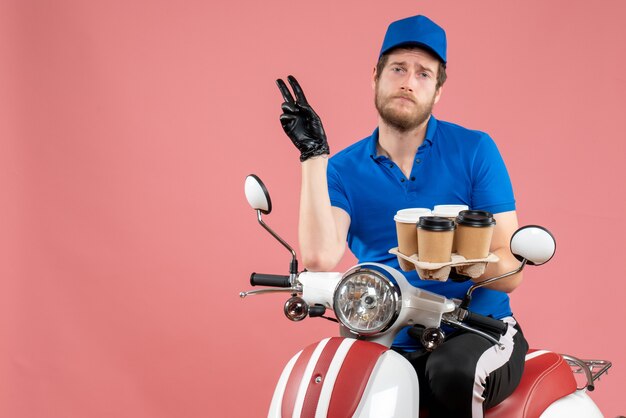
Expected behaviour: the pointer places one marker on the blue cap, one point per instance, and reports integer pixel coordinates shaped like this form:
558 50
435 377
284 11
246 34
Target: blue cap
419 31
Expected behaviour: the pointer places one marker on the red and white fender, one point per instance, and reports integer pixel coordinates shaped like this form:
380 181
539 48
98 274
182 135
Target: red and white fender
344 377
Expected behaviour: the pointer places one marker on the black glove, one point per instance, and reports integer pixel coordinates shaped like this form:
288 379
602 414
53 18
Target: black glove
301 123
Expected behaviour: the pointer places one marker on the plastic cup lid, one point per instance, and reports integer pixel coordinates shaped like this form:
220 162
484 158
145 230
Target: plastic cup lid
449 211
476 218
411 215
436 223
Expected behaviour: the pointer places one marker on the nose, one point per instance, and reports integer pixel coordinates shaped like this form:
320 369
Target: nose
406 83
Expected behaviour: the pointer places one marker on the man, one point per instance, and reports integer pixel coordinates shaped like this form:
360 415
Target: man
413 160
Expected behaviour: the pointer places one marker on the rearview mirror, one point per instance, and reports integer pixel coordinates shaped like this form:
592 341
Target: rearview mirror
533 243
257 194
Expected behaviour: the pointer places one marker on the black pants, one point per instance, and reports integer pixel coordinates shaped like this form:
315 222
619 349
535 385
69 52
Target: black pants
468 374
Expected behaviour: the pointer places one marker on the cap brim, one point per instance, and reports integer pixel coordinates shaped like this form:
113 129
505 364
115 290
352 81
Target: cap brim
413 43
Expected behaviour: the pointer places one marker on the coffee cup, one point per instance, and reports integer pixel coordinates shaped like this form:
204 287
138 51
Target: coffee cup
435 235
406 228
450 212
473 234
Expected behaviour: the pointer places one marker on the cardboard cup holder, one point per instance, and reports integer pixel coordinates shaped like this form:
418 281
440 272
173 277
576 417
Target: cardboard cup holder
440 271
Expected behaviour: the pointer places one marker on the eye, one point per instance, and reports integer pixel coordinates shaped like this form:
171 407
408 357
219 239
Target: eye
424 75
397 69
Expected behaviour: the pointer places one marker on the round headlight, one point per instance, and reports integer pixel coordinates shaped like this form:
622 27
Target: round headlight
366 301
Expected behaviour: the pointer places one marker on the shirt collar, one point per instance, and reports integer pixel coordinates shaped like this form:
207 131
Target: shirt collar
431 129
428 137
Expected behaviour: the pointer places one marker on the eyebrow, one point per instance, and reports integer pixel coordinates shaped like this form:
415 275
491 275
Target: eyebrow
418 64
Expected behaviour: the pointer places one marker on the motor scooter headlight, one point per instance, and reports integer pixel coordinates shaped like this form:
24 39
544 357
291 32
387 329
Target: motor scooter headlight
366 301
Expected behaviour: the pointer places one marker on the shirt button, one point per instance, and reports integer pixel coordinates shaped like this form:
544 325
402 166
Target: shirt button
401 180
412 178
390 165
417 160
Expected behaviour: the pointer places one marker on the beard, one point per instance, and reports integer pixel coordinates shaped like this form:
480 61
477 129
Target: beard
402 118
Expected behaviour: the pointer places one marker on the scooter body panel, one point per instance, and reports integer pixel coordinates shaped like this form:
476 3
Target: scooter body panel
575 405
392 391
277 398
343 377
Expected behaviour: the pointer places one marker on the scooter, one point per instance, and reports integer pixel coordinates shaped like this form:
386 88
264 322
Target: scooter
356 374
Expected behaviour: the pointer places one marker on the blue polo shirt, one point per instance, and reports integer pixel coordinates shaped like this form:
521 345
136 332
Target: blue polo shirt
454 165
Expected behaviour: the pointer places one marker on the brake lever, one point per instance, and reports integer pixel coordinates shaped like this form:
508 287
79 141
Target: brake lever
263 291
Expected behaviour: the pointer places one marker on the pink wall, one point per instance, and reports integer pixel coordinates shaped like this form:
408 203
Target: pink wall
128 127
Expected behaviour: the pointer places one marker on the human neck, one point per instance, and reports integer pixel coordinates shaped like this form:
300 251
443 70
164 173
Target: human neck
400 146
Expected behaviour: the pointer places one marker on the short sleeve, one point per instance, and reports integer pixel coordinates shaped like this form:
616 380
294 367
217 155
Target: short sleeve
491 184
336 190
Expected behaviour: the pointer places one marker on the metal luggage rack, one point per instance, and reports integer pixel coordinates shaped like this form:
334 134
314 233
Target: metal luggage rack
592 369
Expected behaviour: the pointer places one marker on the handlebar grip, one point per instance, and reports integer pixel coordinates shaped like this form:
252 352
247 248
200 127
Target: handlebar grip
486 323
273 280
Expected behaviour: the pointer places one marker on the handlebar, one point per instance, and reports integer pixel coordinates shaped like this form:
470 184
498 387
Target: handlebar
486 323
272 280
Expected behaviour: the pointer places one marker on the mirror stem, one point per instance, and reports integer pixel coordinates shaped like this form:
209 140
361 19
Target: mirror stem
293 267
468 296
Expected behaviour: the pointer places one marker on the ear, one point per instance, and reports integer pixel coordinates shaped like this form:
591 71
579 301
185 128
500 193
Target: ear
438 94
374 79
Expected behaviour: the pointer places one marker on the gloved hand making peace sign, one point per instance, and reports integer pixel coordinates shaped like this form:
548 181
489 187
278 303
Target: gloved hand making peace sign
300 122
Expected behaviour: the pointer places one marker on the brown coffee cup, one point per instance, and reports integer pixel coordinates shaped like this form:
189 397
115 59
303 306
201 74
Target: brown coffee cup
473 234
406 228
435 239
450 212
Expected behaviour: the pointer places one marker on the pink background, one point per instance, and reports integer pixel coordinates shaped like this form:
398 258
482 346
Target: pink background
128 128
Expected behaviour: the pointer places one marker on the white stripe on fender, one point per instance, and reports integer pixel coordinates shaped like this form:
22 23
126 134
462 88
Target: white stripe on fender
306 378
277 398
331 377
536 354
